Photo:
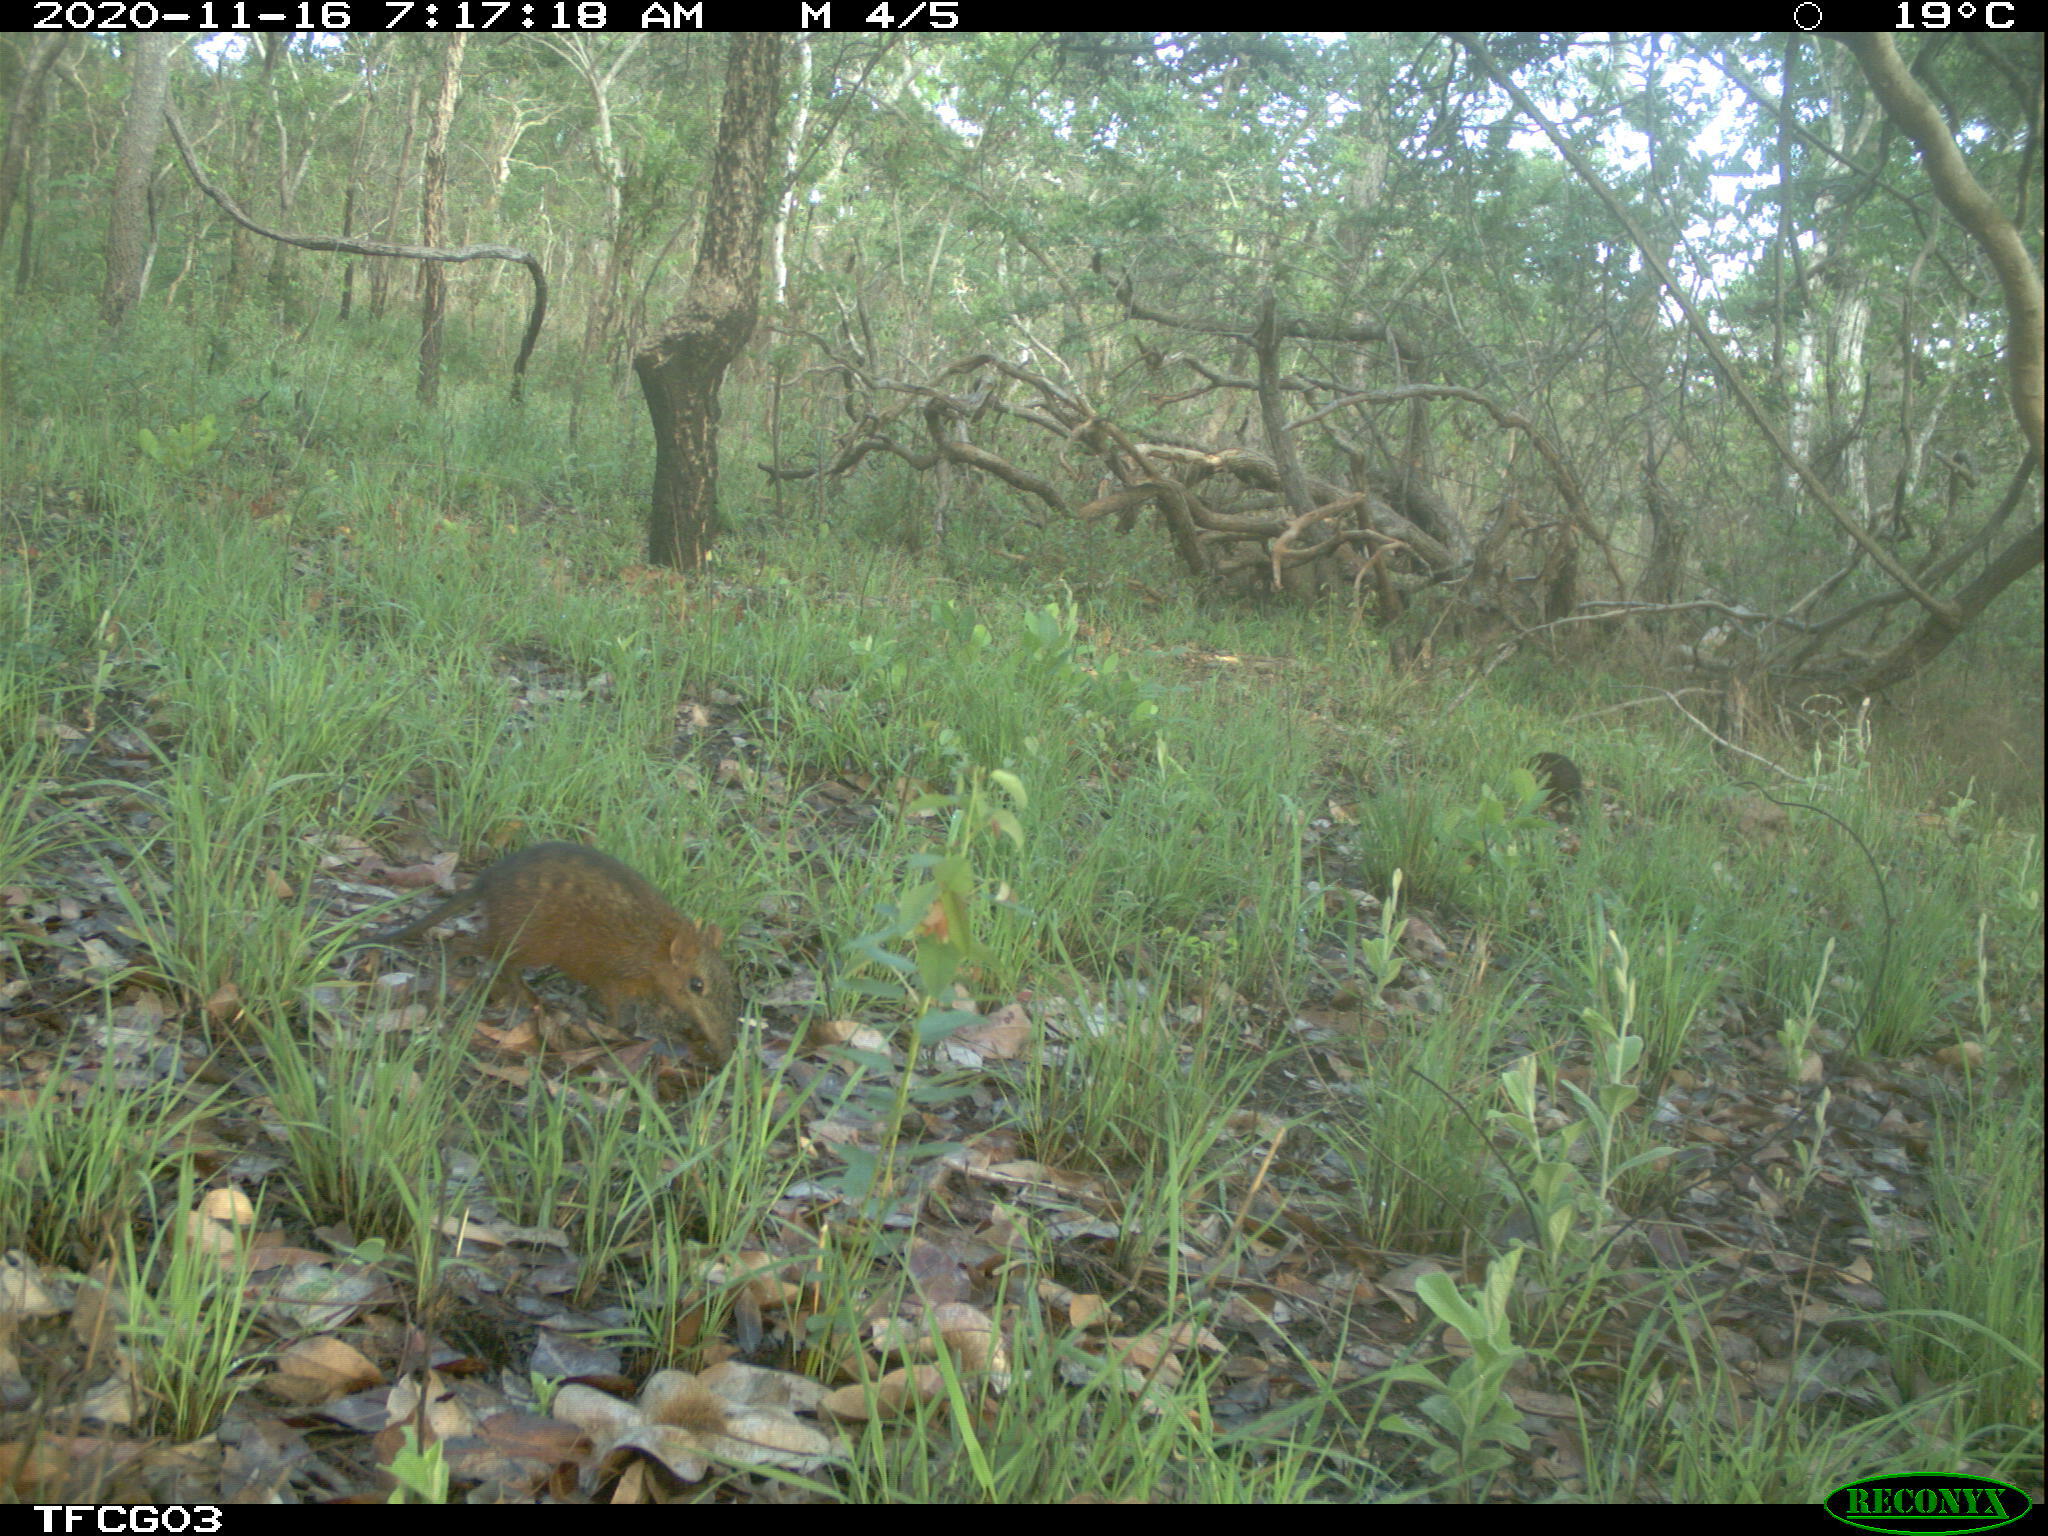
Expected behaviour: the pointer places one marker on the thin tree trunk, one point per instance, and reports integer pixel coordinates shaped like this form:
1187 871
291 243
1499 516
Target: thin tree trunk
380 274
348 199
24 113
433 212
141 131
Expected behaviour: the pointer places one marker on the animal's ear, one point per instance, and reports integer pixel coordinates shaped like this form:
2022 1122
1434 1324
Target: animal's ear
691 940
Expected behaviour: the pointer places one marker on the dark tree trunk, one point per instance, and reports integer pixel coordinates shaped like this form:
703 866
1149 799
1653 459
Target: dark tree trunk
24 113
1660 580
682 364
141 131
1933 636
353 190
433 213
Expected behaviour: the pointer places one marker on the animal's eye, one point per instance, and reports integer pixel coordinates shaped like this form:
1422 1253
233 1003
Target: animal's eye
696 983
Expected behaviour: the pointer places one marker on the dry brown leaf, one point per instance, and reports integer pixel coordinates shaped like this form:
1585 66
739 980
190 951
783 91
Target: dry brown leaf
1089 1310
756 1386
1421 941
597 1414
971 1336
1002 1036
829 1032
220 1226
764 1287
63 1466
117 1401
891 1394
677 1449
531 1437
320 1370
23 1292
97 1310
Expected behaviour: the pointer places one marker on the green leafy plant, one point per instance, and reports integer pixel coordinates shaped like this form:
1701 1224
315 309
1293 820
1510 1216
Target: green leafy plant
1807 1149
1568 1194
1089 683
1095 699
1796 1031
1496 832
544 1389
936 913
1382 955
929 942
180 449
1471 1424
421 1475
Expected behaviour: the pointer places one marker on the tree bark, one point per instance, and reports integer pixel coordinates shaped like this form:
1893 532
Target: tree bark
682 365
141 131
1931 638
353 187
433 210
24 111
380 275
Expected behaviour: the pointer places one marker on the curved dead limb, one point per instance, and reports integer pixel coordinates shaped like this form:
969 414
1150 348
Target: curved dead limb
354 247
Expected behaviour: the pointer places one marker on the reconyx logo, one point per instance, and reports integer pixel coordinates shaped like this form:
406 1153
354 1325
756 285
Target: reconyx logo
1927 1502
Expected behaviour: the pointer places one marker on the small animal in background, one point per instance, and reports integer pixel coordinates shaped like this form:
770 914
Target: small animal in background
599 922
1560 777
